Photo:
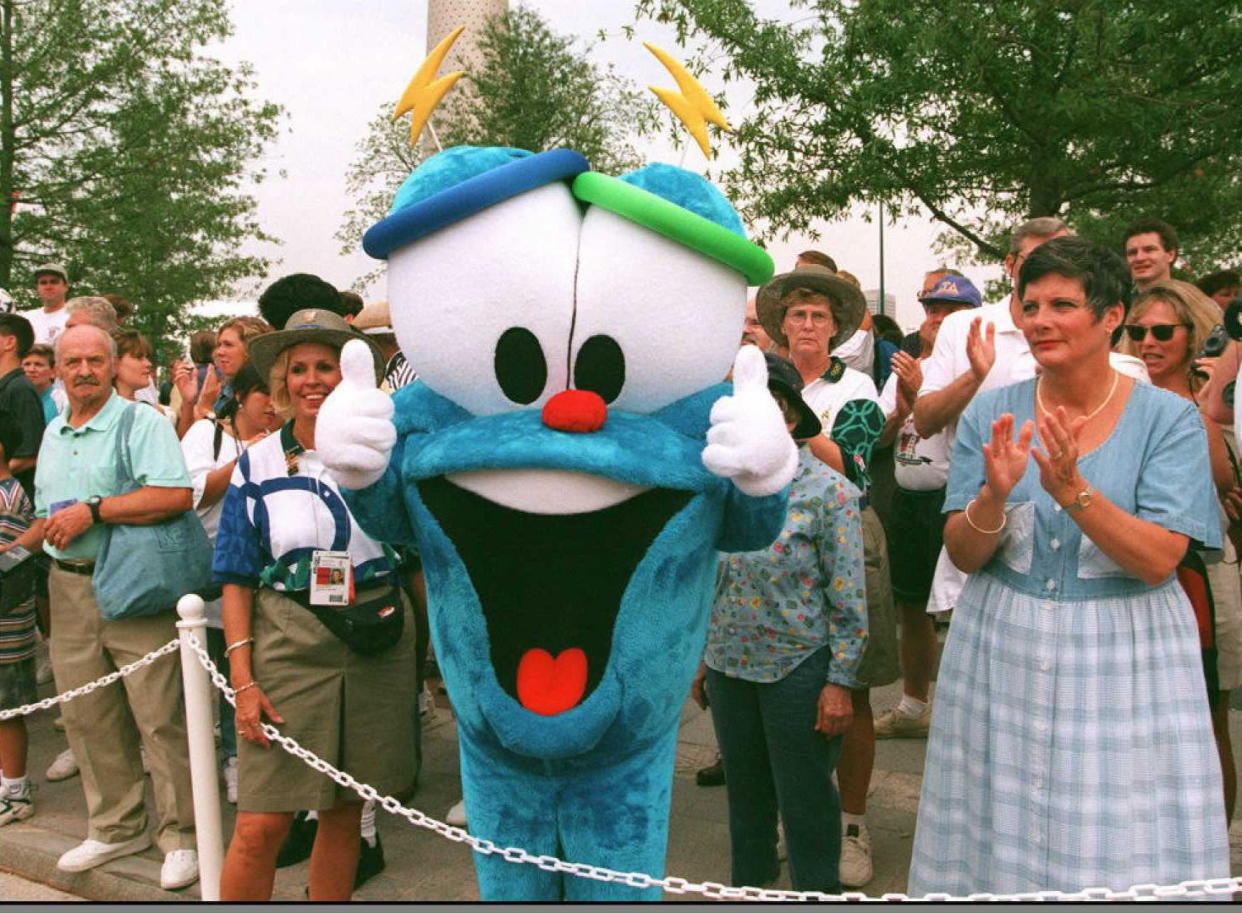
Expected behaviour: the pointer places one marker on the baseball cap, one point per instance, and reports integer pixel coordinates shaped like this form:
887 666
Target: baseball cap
54 268
955 289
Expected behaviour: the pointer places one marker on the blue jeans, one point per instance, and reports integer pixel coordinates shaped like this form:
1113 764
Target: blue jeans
774 758
228 728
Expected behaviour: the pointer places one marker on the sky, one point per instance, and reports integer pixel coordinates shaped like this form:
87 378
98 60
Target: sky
332 64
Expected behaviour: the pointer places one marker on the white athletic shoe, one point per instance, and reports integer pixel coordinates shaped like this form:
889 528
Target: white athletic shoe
90 853
457 814
180 868
64 767
856 868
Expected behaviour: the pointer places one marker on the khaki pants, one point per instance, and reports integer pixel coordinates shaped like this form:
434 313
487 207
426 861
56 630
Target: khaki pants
101 725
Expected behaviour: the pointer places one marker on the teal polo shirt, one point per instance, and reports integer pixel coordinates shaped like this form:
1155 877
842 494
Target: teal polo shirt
76 463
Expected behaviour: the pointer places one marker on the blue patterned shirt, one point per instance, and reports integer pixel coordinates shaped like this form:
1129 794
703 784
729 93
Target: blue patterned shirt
776 607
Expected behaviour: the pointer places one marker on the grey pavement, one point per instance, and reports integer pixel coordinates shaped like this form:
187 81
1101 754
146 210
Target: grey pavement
423 866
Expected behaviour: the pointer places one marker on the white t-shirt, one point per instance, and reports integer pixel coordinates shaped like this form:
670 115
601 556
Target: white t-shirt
47 326
196 447
827 398
919 464
858 352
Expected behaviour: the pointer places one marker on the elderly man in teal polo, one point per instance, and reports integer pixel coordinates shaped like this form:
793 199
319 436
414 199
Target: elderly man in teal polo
76 493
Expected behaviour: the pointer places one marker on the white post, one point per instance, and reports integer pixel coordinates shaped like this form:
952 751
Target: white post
199 693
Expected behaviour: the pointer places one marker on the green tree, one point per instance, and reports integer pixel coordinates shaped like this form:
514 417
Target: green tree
982 114
128 152
533 89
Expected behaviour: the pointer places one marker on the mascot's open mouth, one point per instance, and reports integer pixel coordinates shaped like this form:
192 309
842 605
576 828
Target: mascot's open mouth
550 584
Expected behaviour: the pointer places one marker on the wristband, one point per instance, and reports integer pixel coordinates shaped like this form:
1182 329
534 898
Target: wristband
250 684
979 529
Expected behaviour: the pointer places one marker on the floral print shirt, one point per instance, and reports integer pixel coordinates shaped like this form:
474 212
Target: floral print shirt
774 608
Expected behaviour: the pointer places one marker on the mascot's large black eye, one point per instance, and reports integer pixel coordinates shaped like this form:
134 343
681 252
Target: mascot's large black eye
520 366
600 367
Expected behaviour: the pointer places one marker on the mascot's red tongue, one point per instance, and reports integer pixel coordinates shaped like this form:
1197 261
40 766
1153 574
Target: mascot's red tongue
550 686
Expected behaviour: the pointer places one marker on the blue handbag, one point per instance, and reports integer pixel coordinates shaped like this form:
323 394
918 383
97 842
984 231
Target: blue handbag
144 570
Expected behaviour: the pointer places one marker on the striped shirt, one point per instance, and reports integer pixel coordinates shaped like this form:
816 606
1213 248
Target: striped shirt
17 630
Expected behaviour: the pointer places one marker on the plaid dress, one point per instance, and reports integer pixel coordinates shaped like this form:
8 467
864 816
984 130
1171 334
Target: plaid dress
1071 743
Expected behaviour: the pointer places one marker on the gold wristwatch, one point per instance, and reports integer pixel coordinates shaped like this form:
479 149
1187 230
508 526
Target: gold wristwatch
1082 500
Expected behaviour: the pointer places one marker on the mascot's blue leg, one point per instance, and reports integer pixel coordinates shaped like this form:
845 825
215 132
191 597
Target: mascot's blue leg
512 807
617 817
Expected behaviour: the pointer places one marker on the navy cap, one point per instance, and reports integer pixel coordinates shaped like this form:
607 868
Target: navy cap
956 290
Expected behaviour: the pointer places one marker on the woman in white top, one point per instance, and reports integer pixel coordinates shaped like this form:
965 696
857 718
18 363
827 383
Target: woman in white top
211 448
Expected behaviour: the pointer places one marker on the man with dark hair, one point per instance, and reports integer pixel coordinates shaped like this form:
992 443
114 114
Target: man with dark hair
21 410
352 305
52 284
1151 250
296 292
815 258
1221 286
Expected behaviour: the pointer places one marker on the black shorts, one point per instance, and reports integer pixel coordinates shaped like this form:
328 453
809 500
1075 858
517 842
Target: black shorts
44 563
915 545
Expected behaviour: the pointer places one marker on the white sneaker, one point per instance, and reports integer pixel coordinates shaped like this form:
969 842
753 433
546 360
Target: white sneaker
230 780
64 767
856 869
457 814
894 724
180 868
90 853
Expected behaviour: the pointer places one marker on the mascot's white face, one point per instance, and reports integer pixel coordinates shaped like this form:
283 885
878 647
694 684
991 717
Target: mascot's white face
507 308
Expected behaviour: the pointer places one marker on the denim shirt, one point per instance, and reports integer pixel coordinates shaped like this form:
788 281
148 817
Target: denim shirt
776 607
1153 465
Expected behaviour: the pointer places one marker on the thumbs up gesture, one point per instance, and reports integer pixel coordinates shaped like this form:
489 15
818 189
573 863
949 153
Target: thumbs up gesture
354 433
748 441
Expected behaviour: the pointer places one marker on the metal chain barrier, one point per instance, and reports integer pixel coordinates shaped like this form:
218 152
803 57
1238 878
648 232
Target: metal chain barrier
675 885
47 703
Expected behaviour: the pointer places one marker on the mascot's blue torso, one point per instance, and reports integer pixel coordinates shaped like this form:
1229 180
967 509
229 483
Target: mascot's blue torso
569 566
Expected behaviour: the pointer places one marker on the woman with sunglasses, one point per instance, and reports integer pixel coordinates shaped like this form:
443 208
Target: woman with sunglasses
1166 328
1070 742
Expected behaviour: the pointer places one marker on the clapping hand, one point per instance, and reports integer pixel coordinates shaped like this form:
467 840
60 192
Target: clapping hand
1004 459
909 379
1058 461
981 348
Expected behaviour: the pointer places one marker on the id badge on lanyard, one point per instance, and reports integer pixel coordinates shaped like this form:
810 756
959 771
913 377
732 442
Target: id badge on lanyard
332 579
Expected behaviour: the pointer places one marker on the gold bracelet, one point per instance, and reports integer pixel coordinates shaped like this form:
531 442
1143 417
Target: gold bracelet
250 684
979 529
237 645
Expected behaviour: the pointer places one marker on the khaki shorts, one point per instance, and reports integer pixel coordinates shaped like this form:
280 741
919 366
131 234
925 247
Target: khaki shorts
355 712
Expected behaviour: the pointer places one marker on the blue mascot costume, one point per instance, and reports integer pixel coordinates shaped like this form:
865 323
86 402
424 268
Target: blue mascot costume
568 465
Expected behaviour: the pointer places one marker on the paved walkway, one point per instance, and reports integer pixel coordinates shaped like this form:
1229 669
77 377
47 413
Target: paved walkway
423 866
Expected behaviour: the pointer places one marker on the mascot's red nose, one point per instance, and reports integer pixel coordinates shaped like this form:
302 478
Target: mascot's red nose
579 411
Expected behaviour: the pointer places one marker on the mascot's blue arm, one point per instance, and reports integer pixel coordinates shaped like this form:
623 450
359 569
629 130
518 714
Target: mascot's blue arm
750 523
380 509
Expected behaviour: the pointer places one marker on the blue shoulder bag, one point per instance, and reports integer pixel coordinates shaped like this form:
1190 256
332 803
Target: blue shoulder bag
144 570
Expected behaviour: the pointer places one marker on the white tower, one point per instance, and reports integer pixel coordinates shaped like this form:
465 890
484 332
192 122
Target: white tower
445 15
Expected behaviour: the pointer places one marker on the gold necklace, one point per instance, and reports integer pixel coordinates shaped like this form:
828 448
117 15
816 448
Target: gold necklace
1093 413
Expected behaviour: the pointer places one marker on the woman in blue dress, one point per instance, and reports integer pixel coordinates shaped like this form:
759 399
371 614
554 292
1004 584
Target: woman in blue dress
1071 744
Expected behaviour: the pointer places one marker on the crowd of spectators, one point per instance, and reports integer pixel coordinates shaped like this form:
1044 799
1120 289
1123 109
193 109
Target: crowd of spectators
1051 479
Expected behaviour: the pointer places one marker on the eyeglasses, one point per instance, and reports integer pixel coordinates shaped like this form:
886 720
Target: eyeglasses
1162 332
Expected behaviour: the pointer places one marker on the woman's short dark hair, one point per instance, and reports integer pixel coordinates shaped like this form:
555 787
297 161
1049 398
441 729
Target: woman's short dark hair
1103 274
131 342
202 345
1221 279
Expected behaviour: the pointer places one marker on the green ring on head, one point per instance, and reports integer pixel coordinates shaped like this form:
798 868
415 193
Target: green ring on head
677 224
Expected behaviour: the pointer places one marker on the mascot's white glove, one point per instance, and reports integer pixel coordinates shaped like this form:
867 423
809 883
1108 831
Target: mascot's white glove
748 441
354 433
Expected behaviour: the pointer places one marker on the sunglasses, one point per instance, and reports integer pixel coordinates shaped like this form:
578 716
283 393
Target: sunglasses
1162 332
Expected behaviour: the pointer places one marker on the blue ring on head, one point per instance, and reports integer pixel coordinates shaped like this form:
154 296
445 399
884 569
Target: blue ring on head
470 196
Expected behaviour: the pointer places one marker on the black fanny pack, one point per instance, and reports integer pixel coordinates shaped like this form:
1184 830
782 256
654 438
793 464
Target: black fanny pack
369 627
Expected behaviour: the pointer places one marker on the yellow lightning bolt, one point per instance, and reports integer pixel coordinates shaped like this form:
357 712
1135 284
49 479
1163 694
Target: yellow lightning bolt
693 106
422 94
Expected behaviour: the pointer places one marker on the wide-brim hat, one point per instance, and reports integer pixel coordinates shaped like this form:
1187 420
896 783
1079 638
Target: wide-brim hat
374 320
848 304
310 325
784 378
